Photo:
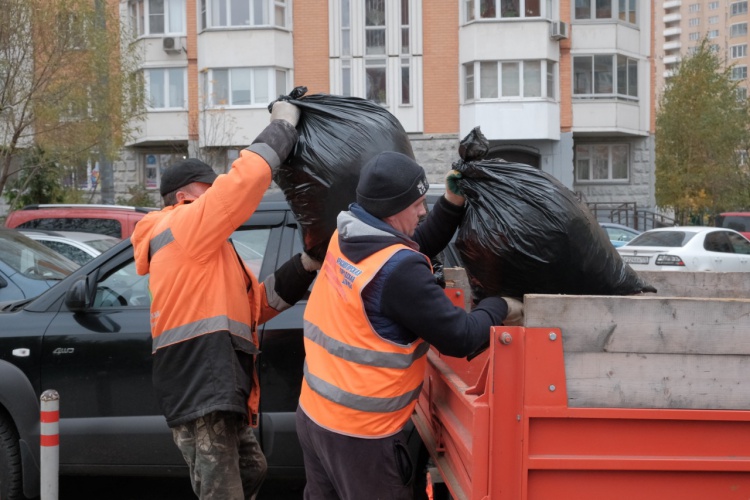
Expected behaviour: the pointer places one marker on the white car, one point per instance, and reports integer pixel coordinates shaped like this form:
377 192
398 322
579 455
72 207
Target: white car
77 246
688 248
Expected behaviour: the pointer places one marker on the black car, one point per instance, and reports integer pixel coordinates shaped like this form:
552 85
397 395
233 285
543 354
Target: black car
89 339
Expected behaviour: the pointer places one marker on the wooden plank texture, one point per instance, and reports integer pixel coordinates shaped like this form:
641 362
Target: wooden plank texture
650 352
715 285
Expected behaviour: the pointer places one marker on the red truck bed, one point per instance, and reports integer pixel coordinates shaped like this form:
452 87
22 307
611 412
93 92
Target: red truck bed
623 398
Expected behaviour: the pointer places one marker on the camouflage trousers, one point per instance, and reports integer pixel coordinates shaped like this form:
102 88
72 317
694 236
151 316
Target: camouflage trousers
225 459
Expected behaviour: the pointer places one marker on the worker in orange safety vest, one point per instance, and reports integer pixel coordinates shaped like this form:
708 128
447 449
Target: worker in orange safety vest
373 313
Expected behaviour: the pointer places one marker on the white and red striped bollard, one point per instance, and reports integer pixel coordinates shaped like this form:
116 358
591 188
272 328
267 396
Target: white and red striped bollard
49 440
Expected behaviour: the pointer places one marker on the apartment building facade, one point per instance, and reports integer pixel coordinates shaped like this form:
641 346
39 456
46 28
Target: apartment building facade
567 87
681 25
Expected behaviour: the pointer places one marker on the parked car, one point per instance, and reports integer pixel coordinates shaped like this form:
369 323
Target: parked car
28 268
689 248
89 339
619 234
113 220
76 246
739 221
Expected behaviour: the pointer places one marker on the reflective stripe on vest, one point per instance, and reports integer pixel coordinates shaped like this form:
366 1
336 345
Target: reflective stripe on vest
361 403
355 382
201 327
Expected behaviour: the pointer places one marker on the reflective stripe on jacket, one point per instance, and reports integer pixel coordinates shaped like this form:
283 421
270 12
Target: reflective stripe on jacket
355 382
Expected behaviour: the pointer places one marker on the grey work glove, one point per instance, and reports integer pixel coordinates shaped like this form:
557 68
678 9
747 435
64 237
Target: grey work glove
515 312
452 192
284 110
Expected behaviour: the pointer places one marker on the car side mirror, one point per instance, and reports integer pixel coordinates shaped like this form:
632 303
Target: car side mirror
77 298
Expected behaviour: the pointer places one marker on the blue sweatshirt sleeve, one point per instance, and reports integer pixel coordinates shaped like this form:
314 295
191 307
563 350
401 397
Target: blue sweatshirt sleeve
413 299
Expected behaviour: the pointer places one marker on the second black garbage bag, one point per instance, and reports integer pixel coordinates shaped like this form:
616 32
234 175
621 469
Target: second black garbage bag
524 232
337 136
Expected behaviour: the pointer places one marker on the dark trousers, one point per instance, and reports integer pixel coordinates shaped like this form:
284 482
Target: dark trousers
225 459
349 468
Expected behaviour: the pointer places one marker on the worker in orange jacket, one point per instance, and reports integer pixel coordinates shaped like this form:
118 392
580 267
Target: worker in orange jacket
206 305
370 319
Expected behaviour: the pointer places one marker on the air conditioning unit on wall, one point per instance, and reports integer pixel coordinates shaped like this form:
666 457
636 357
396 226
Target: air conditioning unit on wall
171 44
558 30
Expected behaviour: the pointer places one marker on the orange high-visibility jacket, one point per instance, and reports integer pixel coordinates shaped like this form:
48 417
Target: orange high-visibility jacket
204 305
355 382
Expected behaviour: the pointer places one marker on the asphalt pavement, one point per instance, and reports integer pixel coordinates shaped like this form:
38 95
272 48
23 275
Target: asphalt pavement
141 488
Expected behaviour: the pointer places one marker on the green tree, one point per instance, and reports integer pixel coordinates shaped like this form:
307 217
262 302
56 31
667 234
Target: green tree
67 85
39 182
701 131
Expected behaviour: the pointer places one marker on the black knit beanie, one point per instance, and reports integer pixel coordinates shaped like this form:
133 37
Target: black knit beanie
389 183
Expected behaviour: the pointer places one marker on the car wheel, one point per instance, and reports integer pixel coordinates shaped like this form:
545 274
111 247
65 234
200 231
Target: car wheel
10 461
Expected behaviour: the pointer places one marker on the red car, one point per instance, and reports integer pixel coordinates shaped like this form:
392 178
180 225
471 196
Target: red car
739 221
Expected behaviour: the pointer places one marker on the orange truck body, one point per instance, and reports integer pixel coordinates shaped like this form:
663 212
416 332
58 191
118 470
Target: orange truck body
624 398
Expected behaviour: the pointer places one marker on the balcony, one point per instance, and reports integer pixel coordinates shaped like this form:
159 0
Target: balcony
672 4
672 18
672 45
672 32
512 120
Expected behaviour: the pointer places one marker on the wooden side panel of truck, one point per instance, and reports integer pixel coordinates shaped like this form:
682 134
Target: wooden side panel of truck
599 397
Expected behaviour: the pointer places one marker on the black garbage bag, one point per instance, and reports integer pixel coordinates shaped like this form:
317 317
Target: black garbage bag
524 232
337 136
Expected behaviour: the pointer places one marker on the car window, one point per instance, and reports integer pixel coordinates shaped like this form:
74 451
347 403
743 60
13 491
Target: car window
617 234
717 242
122 287
110 227
251 244
662 239
32 259
739 243
73 253
737 222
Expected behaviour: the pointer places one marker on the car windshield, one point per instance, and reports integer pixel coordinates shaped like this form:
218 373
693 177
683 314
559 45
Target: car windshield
32 259
662 239
102 245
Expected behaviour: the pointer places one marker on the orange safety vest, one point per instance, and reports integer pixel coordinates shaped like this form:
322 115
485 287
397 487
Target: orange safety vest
355 382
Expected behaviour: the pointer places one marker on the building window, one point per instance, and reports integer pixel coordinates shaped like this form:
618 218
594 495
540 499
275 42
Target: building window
694 22
374 56
504 9
738 8
739 73
738 51
741 93
624 10
602 162
240 87
155 163
713 20
694 7
713 5
157 17
603 76
166 88
713 34
694 36
739 29
227 13
510 80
